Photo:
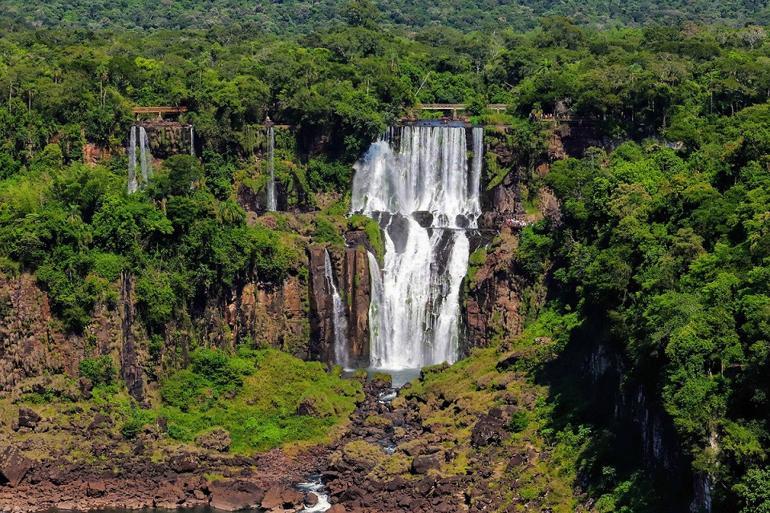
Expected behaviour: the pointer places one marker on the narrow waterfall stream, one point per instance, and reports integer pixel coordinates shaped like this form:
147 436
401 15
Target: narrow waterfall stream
272 204
192 141
145 157
339 320
138 137
133 184
418 183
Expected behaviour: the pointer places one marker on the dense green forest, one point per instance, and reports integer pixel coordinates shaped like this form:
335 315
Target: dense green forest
297 16
663 241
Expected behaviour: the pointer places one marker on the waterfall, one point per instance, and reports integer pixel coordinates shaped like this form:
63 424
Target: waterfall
420 188
271 202
133 185
340 323
145 157
376 321
192 141
474 186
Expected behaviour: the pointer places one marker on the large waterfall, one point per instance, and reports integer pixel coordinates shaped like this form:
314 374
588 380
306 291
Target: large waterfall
145 158
271 201
340 323
419 185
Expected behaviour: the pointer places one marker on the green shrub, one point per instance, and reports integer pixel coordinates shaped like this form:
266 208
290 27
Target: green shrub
100 370
184 389
327 233
223 371
519 422
373 233
135 422
328 176
156 297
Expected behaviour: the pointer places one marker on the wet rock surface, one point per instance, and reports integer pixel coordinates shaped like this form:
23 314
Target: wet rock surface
386 463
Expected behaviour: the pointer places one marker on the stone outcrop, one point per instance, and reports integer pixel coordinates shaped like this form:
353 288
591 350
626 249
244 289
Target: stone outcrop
13 466
357 287
272 316
167 138
501 187
216 440
321 308
493 302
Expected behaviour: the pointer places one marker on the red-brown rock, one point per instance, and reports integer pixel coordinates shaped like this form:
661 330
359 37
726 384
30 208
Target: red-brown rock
235 495
13 466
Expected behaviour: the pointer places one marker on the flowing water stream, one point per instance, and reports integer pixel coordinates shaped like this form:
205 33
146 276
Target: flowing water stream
339 321
138 138
272 203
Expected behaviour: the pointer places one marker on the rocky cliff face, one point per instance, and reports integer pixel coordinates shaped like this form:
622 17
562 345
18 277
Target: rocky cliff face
260 314
168 138
32 343
496 297
493 296
321 308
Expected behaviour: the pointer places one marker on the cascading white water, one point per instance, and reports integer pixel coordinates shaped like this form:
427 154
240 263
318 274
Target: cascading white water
424 196
376 312
145 157
339 320
192 141
271 200
133 185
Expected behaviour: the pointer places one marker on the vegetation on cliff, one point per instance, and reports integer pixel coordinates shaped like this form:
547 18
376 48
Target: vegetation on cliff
263 399
664 254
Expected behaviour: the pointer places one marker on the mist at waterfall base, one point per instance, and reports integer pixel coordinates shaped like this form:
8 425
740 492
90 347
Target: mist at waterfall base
418 183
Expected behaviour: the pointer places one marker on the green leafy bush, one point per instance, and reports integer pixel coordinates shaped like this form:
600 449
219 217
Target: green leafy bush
100 370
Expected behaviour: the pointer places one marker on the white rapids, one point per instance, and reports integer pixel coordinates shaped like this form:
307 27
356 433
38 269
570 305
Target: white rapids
317 487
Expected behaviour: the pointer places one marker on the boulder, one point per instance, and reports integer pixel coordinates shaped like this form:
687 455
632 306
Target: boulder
13 466
279 498
96 489
28 418
100 421
312 407
216 440
311 499
489 430
183 463
422 464
229 495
